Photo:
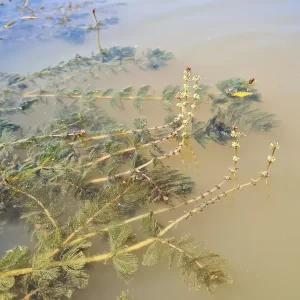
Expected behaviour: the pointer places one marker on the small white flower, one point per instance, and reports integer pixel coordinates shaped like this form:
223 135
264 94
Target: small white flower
190 114
271 159
187 75
196 78
184 121
233 133
193 106
185 95
196 96
235 158
196 87
274 146
180 116
233 170
235 144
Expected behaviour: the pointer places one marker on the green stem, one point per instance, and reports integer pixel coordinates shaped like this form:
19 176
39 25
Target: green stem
42 136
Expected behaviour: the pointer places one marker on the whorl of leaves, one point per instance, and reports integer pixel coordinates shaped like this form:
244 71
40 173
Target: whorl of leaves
18 257
197 268
218 128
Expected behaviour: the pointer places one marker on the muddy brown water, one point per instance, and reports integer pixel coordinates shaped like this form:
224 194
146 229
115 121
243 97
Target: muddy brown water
257 229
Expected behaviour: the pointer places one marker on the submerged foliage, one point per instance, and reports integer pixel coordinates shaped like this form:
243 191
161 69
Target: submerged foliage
85 175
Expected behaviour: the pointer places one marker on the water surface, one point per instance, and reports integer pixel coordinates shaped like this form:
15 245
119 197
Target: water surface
257 230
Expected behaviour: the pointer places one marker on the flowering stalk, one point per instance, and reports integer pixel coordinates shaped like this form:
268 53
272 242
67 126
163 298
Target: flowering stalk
182 129
184 112
271 158
235 144
95 17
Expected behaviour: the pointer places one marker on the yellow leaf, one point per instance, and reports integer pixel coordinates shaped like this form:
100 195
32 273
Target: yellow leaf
242 94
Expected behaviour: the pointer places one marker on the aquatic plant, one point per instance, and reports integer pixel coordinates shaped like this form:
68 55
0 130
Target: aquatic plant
111 176
30 17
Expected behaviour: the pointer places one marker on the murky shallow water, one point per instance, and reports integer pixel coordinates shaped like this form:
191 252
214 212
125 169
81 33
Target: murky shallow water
257 230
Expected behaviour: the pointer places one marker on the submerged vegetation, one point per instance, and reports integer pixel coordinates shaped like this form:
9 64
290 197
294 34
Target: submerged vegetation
78 161
82 175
